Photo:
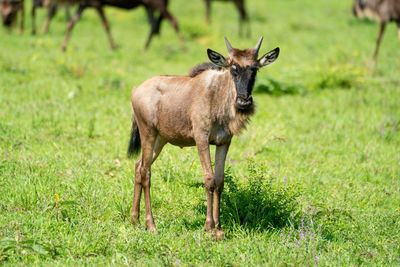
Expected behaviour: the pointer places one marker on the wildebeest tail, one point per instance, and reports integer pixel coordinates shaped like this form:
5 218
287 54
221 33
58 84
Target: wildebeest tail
134 143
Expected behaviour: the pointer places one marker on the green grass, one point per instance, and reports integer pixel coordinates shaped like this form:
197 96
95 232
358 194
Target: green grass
314 180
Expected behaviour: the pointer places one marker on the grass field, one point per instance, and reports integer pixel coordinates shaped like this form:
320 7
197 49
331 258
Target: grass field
314 180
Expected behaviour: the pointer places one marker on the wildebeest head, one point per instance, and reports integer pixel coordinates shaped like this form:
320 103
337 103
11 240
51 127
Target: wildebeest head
243 66
9 10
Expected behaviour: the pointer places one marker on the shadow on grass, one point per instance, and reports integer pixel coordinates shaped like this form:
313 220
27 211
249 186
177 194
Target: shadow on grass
277 88
259 203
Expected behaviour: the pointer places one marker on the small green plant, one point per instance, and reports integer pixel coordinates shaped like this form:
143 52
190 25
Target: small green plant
60 208
260 202
19 246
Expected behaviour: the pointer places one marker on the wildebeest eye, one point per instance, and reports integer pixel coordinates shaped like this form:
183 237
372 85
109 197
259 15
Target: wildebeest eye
234 70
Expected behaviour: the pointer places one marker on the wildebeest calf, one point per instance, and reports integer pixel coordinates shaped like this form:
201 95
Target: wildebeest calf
209 106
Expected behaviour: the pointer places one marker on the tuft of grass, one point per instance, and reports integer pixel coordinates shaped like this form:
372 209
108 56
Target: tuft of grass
259 202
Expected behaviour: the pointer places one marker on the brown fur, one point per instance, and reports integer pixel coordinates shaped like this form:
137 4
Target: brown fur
9 10
195 110
196 70
383 11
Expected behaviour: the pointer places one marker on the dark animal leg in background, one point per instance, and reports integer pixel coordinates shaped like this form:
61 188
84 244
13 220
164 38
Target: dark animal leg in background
106 27
208 11
158 24
71 25
243 17
33 14
153 26
398 29
67 14
378 41
165 13
21 26
50 15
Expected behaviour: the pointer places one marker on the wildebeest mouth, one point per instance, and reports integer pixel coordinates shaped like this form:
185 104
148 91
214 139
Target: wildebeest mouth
244 104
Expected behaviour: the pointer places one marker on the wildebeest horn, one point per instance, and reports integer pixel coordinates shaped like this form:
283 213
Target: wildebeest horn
228 45
258 45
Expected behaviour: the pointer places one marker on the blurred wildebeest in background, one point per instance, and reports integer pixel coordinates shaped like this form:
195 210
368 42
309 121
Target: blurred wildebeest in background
9 12
240 5
207 107
151 6
52 6
383 11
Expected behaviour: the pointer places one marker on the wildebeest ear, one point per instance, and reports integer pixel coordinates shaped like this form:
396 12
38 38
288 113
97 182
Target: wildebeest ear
269 57
216 58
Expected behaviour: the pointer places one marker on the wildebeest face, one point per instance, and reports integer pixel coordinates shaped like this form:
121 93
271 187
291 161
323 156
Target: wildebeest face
243 66
244 79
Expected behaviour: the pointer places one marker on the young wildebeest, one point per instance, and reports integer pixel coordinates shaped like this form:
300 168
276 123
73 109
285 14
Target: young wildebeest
382 10
208 106
52 6
9 12
240 6
151 6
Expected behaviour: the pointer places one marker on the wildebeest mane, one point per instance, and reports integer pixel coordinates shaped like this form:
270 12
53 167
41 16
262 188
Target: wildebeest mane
196 70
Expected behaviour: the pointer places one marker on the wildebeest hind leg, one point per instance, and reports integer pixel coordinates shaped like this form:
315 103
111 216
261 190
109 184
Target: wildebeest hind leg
148 141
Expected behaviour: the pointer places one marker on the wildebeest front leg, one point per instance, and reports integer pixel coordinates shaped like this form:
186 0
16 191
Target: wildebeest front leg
204 154
220 156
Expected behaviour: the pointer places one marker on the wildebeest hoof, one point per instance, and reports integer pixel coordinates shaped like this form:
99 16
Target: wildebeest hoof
209 225
135 221
152 229
219 235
